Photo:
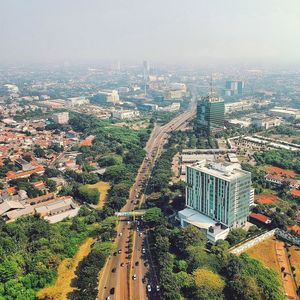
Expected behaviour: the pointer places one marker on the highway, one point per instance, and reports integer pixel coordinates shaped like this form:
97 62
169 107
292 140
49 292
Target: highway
116 280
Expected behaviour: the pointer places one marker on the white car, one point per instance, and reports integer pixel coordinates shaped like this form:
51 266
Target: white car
134 277
157 288
143 250
149 288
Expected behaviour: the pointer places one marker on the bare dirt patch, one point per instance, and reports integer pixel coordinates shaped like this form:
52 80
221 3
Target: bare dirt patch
280 171
266 199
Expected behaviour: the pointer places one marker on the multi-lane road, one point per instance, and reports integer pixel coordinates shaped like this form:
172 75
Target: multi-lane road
125 278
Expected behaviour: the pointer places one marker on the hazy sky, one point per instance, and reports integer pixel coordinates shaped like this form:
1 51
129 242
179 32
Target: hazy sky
170 31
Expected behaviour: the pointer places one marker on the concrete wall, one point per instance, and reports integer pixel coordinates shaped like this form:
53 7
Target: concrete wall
242 248
277 232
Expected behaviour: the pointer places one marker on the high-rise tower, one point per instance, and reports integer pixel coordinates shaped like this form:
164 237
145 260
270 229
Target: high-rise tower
210 113
220 191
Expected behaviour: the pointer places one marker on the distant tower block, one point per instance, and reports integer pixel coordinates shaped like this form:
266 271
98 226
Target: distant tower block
146 69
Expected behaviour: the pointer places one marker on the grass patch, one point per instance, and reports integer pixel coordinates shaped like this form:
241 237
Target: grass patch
103 188
65 274
295 261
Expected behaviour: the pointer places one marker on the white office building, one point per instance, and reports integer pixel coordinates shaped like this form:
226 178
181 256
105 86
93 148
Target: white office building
217 198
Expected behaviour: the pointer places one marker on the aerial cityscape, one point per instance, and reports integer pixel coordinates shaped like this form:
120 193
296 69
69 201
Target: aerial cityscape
149 150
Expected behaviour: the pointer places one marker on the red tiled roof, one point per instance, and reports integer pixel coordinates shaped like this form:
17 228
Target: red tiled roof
10 190
281 179
39 184
260 217
295 193
86 142
12 175
295 228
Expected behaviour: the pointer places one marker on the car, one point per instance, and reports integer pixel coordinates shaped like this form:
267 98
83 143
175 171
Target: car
108 298
112 291
134 277
128 222
122 264
141 234
114 270
143 250
119 251
157 288
136 263
137 229
149 288
144 280
120 234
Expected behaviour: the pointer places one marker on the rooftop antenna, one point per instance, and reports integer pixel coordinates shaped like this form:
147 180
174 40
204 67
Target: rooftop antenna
211 84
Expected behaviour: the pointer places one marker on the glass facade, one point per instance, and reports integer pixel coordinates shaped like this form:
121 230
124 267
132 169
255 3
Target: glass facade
210 114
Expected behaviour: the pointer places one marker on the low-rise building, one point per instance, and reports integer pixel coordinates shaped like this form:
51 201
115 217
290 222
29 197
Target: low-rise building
77 101
111 96
23 164
279 180
125 114
259 219
175 94
285 112
61 118
24 174
265 122
172 107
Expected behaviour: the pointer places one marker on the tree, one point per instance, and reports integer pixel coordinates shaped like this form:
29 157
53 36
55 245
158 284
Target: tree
110 160
9 269
153 216
51 172
78 225
236 235
161 246
208 285
234 266
220 249
121 189
243 288
267 280
184 280
88 195
197 257
39 152
187 236
117 173
51 185
180 265
27 158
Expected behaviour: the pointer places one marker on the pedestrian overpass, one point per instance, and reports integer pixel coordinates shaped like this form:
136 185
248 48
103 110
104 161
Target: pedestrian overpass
130 214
